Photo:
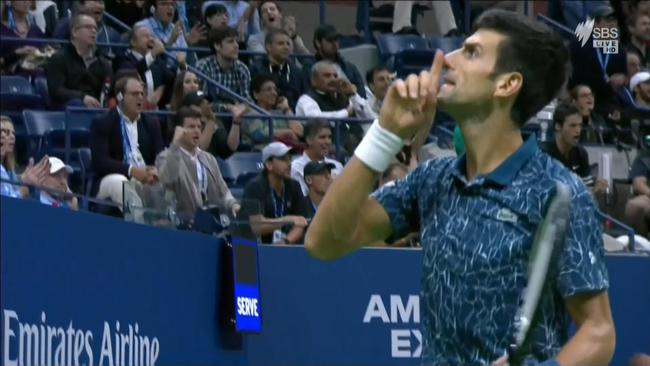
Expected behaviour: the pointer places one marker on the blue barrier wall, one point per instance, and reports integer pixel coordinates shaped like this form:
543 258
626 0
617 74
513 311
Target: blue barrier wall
76 275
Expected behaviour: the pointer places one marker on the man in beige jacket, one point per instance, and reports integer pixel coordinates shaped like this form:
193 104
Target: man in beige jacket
191 173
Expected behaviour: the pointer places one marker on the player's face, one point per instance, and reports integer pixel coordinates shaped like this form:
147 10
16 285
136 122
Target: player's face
469 82
570 130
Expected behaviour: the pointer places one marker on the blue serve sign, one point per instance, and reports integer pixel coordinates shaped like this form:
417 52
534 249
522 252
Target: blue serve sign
248 317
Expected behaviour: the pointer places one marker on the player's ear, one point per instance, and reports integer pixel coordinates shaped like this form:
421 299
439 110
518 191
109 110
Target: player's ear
508 84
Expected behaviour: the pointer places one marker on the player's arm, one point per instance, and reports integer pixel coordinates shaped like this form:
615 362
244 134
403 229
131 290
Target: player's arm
347 218
593 344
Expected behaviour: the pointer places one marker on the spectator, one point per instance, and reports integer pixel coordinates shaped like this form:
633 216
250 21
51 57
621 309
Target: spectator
77 72
46 16
640 87
128 11
639 27
16 23
326 98
58 194
162 26
395 171
326 43
603 73
256 131
186 82
33 174
297 44
215 138
637 209
271 19
283 211
191 173
146 55
216 17
595 129
277 63
318 135
633 63
318 178
378 80
567 123
94 9
124 143
226 69
237 15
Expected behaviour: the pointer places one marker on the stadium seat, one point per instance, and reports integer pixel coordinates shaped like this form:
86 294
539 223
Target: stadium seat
15 85
447 44
16 94
84 157
390 45
38 124
412 62
40 88
240 168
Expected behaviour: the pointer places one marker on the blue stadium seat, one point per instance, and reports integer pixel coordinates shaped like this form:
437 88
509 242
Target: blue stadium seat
38 124
40 88
84 157
412 62
447 44
390 45
238 169
15 85
16 94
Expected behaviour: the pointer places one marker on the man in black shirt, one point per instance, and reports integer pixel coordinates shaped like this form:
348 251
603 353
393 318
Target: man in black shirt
77 72
280 215
567 122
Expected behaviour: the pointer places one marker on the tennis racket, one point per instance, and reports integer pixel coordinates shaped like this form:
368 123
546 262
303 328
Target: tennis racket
548 237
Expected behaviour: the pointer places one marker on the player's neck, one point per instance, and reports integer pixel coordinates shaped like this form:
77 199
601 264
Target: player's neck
489 143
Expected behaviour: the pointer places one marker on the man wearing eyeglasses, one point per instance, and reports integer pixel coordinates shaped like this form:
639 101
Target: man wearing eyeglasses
77 72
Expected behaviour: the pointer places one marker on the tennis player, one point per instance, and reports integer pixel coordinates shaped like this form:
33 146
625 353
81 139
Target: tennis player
477 214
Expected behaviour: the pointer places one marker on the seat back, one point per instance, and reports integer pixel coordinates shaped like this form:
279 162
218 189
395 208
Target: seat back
447 44
40 88
15 85
241 167
38 124
391 44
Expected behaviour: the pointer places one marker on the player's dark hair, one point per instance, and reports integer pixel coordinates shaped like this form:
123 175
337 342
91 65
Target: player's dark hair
533 50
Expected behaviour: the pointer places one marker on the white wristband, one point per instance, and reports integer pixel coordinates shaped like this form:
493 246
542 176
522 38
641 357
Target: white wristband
378 147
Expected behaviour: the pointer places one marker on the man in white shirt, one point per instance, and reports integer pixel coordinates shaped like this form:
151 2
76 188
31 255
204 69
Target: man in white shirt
330 96
318 135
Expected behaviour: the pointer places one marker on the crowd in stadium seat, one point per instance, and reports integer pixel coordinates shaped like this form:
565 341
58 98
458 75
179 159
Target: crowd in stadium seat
228 91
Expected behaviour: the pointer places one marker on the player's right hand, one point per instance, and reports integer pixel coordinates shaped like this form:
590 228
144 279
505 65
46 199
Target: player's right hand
410 104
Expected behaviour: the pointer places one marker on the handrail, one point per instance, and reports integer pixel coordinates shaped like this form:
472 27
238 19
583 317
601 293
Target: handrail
113 19
269 117
561 27
628 230
35 189
126 45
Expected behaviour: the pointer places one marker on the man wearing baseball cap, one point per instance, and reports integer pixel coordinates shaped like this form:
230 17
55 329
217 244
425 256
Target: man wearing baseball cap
640 87
57 185
281 217
326 44
318 177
